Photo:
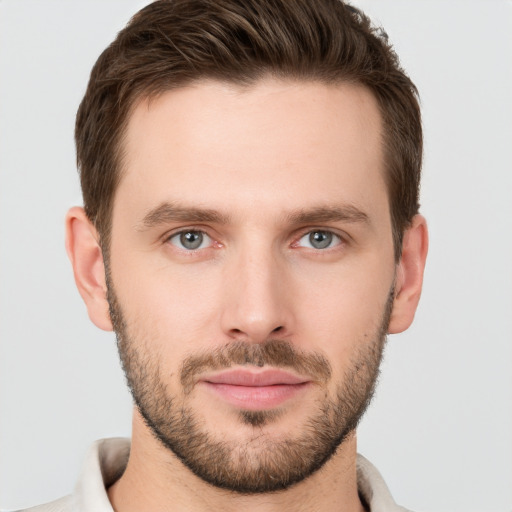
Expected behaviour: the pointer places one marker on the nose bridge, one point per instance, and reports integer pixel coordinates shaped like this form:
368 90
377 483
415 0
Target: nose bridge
257 307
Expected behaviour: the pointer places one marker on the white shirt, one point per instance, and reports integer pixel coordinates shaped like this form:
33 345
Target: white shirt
107 459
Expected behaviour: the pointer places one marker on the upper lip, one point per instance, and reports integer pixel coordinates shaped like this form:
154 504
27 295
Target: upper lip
254 378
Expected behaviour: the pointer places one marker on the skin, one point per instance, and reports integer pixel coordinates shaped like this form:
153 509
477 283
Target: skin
257 156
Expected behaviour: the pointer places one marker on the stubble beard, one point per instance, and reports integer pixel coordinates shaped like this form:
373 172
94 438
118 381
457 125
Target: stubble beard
262 463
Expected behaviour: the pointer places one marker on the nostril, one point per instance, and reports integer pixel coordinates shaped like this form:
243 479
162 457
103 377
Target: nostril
255 334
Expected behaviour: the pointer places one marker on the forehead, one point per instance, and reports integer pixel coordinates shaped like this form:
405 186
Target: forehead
255 144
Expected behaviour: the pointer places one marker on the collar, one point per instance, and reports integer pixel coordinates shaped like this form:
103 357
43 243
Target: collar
107 459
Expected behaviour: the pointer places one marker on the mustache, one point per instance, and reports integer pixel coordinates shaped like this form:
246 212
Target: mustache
274 352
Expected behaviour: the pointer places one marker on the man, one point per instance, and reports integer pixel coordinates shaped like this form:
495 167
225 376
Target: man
250 231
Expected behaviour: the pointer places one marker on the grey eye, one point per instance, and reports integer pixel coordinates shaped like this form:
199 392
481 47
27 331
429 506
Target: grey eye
320 239
190 240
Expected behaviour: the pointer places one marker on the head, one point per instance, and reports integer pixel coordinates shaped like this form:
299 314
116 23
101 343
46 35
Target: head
250 177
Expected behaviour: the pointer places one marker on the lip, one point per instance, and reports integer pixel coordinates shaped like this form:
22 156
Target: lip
255 378
255 389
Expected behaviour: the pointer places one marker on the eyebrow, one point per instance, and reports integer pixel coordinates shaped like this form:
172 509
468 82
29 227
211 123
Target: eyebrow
345 213
169 212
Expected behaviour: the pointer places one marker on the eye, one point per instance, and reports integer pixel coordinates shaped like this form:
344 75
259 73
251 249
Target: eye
319 239
190 240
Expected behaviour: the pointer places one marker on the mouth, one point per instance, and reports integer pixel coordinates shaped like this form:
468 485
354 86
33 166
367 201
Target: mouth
255 389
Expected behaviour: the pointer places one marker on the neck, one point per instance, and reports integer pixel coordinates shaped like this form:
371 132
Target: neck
155 479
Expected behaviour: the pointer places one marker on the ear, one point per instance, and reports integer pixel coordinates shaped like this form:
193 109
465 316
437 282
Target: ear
409 280
84 251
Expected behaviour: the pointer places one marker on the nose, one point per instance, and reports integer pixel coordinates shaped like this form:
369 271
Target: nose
257 301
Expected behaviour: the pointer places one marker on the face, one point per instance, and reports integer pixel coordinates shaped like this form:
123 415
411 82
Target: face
251 274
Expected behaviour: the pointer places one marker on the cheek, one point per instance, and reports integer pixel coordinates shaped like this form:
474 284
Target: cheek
342 309
169 308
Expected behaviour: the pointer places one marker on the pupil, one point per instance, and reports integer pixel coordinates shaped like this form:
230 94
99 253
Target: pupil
320 239
191 239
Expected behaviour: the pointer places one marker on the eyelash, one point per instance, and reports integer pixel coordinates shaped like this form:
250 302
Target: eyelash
183 232
335 237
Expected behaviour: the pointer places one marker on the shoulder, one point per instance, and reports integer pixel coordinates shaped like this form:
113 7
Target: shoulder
103 464
64 504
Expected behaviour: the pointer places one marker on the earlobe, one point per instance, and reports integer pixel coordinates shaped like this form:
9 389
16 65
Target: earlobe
409 276
84 251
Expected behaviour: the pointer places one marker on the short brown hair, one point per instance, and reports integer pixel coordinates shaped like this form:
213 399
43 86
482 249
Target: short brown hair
172 43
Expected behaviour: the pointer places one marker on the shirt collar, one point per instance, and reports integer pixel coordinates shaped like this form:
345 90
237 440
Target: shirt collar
107 459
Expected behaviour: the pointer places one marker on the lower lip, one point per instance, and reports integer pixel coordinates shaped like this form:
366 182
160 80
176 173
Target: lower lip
256 398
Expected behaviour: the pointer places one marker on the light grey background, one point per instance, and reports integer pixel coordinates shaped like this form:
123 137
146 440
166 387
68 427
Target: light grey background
440 428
